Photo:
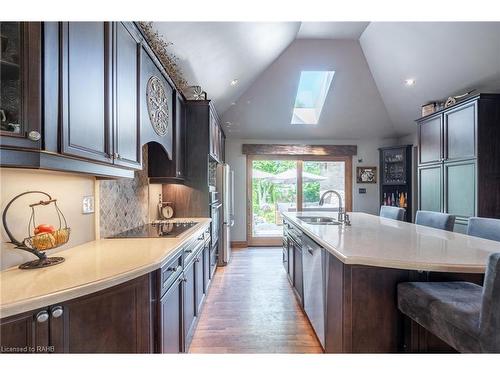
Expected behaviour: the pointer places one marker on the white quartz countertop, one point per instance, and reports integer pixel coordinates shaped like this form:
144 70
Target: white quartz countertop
88 268
375 241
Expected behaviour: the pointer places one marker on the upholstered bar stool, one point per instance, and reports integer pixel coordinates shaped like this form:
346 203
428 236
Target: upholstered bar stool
436 220
465 315
484 228
391 212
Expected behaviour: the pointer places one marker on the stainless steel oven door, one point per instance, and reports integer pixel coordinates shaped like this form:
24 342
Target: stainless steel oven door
216 216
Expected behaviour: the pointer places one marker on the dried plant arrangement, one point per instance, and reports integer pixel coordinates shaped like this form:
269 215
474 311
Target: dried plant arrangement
168 59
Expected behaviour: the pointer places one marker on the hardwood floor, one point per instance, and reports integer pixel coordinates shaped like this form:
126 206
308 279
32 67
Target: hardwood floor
251 308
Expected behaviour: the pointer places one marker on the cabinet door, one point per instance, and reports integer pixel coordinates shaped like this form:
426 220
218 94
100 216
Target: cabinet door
198 280
20 84
85 90
460 189
297 272
180 145
127 123
189 305
206 268
213 260
25 333
171 319
430 188
430 140
460 132
213 134
115 320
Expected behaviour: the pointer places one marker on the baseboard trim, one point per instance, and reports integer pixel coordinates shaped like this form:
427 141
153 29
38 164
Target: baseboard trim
238 244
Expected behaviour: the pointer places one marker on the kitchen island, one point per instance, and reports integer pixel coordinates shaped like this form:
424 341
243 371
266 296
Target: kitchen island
360 266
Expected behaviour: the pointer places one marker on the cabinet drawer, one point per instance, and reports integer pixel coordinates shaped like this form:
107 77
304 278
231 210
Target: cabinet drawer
192 249
170 272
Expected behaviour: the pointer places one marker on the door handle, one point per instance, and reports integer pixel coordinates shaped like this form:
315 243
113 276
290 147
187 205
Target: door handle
309 250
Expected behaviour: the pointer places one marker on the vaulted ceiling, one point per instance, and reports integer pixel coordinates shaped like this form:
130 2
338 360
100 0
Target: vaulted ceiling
368 96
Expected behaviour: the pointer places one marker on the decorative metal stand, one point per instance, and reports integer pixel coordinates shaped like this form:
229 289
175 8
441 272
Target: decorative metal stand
43 241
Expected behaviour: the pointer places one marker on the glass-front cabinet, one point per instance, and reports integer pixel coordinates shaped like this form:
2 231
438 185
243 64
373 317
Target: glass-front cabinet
20 89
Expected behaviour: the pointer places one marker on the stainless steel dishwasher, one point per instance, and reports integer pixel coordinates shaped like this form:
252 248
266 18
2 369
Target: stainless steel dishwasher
313 259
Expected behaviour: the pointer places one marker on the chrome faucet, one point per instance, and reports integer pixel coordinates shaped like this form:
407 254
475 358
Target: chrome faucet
342 216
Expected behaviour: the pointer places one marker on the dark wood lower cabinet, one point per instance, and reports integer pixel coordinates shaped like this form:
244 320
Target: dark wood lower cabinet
115 320
198 281
189 305
170 320
206 268
24 334
297 274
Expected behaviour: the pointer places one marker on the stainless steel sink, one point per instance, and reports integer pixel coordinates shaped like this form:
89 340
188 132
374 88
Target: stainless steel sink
318 220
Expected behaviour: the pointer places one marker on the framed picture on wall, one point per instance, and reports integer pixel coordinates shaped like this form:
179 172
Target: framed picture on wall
366 175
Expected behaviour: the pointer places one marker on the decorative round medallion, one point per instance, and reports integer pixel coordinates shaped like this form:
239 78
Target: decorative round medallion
157 105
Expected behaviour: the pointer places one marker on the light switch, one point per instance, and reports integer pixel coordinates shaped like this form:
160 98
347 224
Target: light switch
88 204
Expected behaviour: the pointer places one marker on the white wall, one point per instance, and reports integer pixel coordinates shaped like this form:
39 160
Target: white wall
367 151
69 189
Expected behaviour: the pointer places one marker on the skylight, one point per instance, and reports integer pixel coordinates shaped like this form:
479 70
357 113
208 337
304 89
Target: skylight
311 95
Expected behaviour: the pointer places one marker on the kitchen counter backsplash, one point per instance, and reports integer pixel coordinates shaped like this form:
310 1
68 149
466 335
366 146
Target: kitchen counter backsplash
124 203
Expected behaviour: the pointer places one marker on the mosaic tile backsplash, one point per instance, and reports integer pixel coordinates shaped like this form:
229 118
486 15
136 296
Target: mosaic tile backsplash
124 203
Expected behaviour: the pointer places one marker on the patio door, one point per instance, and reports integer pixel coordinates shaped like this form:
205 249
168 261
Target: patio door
277 184
272 187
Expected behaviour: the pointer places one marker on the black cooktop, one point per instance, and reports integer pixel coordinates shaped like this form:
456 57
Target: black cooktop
155 230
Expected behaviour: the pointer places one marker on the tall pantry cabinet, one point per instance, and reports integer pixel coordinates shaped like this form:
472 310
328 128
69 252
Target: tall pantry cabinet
459 160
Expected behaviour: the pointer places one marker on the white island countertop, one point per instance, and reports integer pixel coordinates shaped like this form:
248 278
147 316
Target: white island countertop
88 268
375 241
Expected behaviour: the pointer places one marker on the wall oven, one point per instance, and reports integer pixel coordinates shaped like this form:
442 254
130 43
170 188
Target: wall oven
216 210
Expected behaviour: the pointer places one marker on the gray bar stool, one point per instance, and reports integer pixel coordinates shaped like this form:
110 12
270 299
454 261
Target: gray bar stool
484 228
391 212
465 315
436 220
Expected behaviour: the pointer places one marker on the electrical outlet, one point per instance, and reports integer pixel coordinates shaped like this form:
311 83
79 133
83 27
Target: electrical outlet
88 204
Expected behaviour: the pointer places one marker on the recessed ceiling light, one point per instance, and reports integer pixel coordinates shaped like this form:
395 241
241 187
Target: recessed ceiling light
229 123
233 103
234 82
410 81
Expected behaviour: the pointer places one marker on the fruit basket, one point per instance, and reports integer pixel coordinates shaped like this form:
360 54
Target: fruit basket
45 237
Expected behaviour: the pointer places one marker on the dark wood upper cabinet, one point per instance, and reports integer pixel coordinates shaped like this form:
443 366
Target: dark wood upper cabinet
160 167
20 84
86 90
180 137
216 136
430 135
127 85
460 132
464 180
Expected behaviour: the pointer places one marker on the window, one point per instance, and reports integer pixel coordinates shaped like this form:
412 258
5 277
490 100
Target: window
311 95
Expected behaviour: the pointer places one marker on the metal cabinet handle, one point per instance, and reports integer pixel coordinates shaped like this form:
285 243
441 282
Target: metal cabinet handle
42 316
188 251
56 311
172 269
197 260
